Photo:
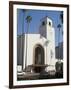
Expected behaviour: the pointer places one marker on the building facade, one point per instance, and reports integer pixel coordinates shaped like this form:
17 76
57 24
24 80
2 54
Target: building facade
39 49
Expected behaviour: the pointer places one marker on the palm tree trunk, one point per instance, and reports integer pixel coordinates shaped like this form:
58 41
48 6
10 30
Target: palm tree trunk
59 45
26 45
22 42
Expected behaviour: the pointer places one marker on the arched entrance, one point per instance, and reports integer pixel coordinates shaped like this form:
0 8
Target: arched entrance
38 58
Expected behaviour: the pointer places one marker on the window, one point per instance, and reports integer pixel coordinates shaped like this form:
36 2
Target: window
49 23
43 23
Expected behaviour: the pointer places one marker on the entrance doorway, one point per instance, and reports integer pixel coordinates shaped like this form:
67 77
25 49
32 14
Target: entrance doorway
38 58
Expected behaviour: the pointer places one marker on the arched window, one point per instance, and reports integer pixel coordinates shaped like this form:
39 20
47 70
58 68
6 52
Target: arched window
49 23
43 23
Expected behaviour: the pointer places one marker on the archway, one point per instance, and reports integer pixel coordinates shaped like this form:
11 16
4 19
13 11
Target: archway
38 58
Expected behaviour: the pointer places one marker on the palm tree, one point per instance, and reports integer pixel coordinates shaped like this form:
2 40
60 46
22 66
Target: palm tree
59 27
61 17
59 64
22 33
28 19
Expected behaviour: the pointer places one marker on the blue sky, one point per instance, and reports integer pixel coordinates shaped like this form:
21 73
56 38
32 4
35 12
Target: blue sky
37 15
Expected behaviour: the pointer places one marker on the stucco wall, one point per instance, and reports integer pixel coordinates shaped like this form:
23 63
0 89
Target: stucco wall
33 40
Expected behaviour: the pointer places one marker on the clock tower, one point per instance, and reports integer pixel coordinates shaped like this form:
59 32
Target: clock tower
47 31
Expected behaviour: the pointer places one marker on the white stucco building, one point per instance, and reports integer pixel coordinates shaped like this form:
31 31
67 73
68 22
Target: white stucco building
39 49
